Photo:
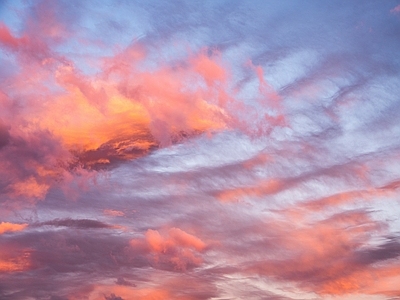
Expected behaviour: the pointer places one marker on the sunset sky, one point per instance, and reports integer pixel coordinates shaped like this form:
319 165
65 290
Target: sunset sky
197 150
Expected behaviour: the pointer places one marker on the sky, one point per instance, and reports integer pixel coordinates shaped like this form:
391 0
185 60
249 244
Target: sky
199 150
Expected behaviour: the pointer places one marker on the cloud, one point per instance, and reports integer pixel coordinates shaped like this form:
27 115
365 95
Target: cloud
34 162
178 250
65 120
113 297
395 10
316 263
10 227
4 135
113 213
49 256
80 224
199 150
14 259
122 281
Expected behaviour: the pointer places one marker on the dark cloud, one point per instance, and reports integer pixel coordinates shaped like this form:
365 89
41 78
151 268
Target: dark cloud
122 281
4 135
58 298
390 249
80 224
112 297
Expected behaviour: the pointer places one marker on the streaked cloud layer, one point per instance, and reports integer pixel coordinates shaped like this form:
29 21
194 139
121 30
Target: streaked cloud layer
199 150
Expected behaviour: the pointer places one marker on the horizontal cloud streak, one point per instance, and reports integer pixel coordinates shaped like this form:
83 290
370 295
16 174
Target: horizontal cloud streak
80 224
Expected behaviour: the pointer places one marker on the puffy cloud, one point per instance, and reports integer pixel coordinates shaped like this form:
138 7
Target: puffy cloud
64 119
178 249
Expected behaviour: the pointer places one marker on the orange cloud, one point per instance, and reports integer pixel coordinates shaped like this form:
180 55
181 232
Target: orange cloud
122 112
30 188
11 227
332 256
159 286
176 247
81 121
265 187
110 117
348 197
111 292
155 241
8 266
113 213
185 239
14 261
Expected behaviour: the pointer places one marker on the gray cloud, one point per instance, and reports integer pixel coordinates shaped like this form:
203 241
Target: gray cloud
80 224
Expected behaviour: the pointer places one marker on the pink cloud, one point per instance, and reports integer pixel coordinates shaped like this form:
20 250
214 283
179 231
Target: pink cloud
395 10
113 213
265 187
12 258
6 38
176 248
92 121
331 256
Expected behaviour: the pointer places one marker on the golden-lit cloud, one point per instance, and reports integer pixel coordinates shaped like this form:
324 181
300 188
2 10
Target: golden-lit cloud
11 227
